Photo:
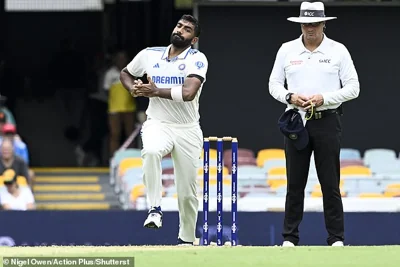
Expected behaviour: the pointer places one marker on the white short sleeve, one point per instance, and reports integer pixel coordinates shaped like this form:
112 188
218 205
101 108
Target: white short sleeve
137 67
109 78
4 198
198 65
29 196
20 202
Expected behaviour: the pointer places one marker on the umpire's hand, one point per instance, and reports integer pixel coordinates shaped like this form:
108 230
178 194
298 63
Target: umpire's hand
298 100
314 100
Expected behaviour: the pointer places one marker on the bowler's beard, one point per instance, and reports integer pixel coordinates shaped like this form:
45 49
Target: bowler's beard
180 42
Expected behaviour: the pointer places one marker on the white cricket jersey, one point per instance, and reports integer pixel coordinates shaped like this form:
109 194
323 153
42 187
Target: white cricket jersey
328 70
165 73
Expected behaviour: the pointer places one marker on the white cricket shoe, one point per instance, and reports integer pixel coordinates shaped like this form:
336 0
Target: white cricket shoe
154 219
287 244
338 244
184 243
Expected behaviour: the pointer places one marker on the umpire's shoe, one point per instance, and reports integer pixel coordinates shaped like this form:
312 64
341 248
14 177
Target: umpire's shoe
154 219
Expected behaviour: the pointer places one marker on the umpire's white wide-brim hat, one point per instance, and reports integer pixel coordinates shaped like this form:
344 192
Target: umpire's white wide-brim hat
311 13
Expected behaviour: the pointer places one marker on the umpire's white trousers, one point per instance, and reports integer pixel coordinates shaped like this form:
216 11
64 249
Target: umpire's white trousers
185 143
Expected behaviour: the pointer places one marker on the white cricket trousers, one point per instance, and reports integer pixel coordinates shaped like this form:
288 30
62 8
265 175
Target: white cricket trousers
185 143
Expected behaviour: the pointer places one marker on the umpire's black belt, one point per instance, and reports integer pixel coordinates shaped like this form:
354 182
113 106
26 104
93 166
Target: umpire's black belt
321 114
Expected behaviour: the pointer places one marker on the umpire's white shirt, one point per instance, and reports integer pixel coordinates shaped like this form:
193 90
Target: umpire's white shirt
166 73
328 70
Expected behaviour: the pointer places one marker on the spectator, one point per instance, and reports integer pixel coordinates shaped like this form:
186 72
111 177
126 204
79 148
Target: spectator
3 119
9 160
121 105
10 131
20 148
5 114
15 197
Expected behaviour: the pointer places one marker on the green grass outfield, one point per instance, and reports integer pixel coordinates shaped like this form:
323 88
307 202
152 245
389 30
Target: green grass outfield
168 256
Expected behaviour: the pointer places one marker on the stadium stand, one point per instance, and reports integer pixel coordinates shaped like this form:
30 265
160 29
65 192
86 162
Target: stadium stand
263 174
74 189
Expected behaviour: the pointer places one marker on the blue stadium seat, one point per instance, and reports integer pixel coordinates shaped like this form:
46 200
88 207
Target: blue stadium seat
258 194
281 191
120 155
127 153
272 163
170 191
312 172
167 163
251 172
388 167
349 154
355 186
227 190
374 155
132 177
311 183
211 162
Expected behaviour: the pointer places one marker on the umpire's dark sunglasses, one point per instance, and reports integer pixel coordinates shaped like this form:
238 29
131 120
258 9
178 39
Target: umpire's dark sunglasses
315 24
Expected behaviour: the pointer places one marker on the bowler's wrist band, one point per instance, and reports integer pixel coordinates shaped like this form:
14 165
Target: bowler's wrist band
176 94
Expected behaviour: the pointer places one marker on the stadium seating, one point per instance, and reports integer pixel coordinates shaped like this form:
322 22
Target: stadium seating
168 171
371 195
355 170
269 153
392 190
274 184
273 163
124 165
212 155
242 152
380 155
249 172
118 157
317 192
127 163
241 161
213 182
350 154
74 189
167 163
389 166
277 171
137 191
213 170
376 174
351 162
245 157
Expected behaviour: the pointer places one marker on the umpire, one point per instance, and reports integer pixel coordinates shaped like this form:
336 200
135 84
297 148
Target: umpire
320 76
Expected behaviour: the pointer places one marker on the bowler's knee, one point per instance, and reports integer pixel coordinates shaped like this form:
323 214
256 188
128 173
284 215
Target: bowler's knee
187 198
151 152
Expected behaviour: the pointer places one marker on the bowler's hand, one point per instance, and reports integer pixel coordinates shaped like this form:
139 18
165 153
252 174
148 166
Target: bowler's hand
314 100
298 100
148 90
134 89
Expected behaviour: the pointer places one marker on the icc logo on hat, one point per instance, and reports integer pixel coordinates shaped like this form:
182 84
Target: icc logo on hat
291 125
293 136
